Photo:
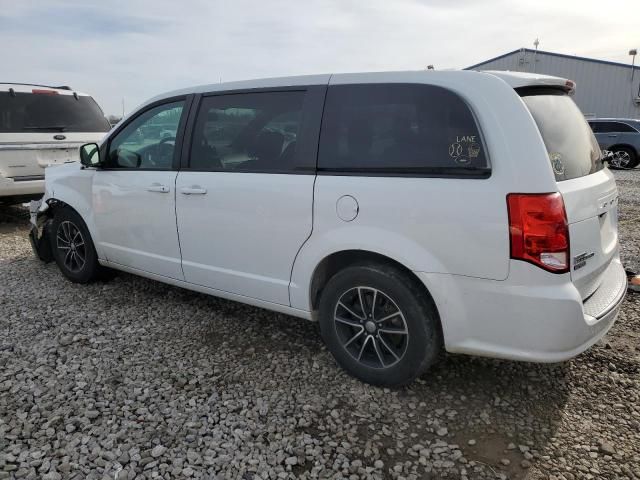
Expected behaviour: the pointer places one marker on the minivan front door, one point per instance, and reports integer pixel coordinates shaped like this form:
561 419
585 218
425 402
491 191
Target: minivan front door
244 200
134 194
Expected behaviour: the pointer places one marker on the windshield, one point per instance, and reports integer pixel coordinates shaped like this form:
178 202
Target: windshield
33 112
572 147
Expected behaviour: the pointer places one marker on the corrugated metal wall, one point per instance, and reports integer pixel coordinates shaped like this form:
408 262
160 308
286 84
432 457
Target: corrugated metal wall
602 90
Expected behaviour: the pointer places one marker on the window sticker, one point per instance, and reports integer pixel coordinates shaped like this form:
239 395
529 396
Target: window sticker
556 163
464 149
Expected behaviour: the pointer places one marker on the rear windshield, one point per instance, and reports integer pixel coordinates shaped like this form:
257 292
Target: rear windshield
572 147
34 112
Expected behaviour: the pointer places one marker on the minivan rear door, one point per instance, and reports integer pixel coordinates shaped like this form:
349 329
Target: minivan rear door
587 187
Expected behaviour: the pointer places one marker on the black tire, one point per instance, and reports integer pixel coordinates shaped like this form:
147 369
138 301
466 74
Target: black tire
414 353
72 247
629 156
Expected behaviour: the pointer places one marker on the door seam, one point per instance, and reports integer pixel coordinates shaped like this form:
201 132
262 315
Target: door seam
313 194
175 214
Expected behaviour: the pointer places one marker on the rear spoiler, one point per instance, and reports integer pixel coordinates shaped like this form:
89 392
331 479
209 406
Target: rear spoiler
568 89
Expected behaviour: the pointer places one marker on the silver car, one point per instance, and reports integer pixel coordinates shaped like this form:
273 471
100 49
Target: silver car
621 137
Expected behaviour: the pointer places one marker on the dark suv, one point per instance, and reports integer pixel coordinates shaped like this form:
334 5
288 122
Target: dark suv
619 136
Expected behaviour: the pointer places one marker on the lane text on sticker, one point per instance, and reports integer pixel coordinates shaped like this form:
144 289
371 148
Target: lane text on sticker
464 149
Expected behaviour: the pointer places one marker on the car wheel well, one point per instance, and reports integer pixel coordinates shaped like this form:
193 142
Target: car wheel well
55 204
338 261
625 146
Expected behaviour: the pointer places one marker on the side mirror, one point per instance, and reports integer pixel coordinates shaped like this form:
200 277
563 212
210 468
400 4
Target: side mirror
90 155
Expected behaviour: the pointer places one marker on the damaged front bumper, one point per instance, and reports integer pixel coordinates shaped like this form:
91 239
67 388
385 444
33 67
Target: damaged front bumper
40 233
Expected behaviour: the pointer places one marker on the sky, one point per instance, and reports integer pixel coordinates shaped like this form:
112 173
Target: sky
136 49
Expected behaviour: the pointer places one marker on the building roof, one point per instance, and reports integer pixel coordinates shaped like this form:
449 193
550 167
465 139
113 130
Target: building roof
553 54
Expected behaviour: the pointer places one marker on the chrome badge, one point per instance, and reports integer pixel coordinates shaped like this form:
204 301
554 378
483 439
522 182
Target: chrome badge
580 261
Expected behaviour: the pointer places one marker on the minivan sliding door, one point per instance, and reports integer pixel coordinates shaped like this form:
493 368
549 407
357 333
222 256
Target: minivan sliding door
244 199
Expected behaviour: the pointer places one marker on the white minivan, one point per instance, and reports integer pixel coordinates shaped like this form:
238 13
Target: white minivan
41 126
407 212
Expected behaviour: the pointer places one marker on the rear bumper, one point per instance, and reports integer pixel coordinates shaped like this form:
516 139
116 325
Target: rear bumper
16 188
532 316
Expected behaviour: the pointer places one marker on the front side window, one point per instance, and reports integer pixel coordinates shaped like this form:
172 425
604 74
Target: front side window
147 142
397 129
247 132
572 148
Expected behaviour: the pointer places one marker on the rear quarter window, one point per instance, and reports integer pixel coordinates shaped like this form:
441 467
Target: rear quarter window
571 146
395 129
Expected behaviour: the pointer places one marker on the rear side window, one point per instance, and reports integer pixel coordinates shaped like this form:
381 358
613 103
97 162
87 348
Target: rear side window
572 147
249 132
611 127
399 129
615 127
50 112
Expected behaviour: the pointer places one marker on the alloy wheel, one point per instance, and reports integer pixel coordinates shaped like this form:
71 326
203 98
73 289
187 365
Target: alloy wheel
71 245
371 327
621 159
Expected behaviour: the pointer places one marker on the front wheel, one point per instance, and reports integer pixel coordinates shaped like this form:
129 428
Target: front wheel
72 247
379 324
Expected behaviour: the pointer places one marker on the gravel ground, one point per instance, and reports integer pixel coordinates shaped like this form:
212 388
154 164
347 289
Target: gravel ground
135 379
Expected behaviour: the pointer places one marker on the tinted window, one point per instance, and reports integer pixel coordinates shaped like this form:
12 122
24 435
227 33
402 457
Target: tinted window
611 127
248 132
399 128
148 141
606 127
572 147
46 112
620 127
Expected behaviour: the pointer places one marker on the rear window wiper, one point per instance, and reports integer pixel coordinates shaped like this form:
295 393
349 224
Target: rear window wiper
60 128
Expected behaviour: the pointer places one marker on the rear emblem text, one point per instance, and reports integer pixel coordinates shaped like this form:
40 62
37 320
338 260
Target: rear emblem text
580 261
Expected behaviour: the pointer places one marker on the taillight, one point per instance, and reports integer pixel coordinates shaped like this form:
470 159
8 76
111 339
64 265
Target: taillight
538 230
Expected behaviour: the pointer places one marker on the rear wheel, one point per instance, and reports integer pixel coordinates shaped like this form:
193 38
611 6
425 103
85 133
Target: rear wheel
72 247
624 158
380 326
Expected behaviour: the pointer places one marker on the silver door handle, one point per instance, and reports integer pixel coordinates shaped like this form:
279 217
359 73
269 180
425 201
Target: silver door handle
195 190
156 187
612 136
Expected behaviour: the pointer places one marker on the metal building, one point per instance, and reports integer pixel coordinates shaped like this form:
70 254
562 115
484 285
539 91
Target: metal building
603 89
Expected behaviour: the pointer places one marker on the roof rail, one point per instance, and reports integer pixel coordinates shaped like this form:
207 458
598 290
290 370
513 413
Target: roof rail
62 87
